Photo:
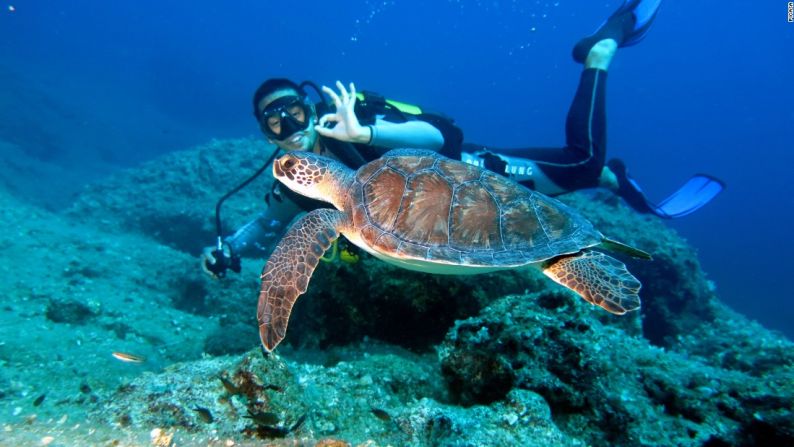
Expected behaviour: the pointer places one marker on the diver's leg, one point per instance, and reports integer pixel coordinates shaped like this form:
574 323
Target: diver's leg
580 162
585 126
598 58
601 54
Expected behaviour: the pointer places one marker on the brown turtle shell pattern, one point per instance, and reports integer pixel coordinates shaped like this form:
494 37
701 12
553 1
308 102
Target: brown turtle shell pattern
417 205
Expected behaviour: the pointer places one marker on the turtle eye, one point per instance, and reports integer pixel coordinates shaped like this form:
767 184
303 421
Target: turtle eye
288 163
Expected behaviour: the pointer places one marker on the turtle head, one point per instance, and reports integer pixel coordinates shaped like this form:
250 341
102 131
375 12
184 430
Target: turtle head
313 176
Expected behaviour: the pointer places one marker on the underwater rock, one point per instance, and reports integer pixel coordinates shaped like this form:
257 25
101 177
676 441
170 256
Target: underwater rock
234 338
347 302
522 418
222 390
70 311
609 388
74 295
190 293
254 399
172 198
489 376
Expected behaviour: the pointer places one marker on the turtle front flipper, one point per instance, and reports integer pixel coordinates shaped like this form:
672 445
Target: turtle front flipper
286 274
599 279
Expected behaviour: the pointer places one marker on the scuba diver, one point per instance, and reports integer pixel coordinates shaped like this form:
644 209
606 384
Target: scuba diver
288 118
361 127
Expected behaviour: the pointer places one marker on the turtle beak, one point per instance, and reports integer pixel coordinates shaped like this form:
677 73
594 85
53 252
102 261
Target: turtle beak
277 171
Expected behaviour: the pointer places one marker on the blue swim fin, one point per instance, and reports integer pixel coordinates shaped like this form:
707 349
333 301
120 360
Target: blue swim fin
644 12
628 26
699 190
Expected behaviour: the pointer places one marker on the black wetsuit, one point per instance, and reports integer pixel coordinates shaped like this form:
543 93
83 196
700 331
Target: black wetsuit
579 163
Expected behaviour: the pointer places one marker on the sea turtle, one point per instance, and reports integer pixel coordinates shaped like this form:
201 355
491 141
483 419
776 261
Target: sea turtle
421 211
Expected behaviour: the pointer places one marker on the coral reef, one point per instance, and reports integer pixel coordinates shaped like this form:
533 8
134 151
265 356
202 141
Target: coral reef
369 394
172 199
607 387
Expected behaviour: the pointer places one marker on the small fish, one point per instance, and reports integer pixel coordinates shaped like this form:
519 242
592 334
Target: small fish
39 400
204 414
263 418
298 423
273 387
381 414
278 431
129 358
230 387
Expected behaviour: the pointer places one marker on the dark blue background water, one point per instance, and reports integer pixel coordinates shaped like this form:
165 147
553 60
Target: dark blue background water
92 84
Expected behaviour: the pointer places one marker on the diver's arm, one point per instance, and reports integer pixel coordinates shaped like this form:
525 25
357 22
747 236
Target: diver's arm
411 134
386 134
252 237
256 237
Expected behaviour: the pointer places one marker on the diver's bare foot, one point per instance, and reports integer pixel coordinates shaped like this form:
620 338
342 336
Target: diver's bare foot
601 54
608 179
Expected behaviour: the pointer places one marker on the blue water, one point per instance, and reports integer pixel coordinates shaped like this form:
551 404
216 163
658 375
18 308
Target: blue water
709 90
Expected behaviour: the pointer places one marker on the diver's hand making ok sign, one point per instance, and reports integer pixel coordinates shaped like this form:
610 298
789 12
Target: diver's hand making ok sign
347 127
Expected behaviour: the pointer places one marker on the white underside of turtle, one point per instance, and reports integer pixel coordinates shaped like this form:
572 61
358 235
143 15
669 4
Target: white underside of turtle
418 265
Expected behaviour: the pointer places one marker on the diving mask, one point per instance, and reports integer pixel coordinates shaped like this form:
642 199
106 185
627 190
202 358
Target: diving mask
287 115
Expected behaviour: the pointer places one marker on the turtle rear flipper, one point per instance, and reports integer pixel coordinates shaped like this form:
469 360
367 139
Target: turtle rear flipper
599 279
289 269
